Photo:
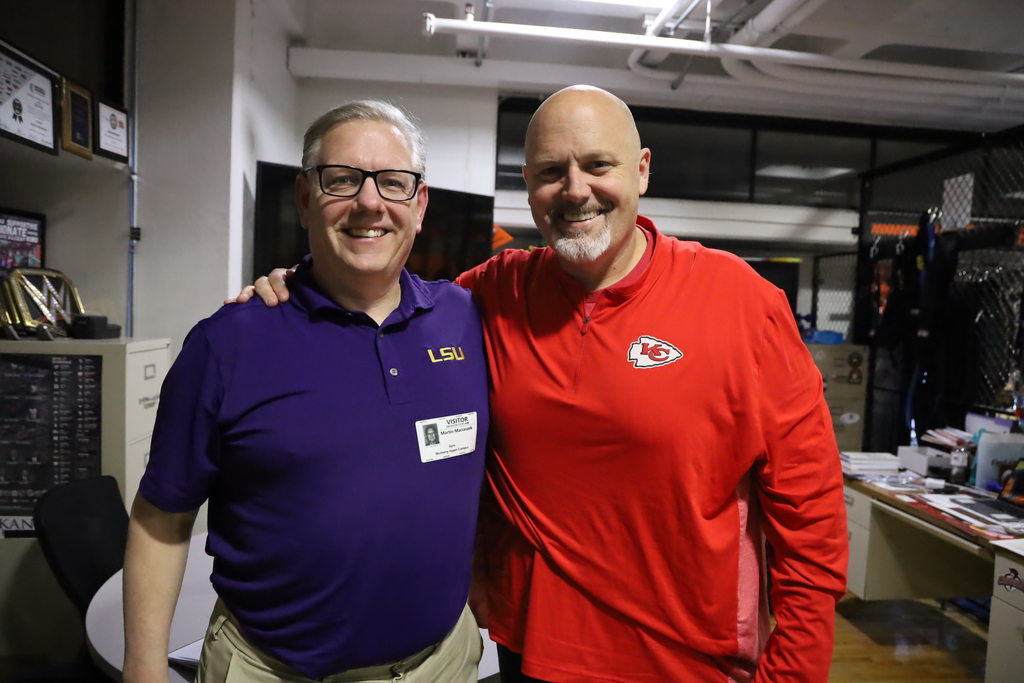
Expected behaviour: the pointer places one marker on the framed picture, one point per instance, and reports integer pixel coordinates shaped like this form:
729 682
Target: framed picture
110 131
28 102
76 114
21 240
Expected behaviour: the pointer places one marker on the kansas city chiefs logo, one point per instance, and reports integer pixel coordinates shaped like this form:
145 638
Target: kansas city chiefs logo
649 352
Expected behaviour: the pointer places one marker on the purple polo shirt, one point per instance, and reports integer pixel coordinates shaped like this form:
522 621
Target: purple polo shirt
339 539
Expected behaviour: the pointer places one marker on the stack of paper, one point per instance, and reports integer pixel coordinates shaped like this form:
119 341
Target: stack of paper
948 437
869 463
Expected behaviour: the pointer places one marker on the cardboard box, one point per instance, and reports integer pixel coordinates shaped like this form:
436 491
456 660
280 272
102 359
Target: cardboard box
920 458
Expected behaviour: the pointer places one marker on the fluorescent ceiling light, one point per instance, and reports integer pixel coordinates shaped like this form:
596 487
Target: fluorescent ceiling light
793 172
654 4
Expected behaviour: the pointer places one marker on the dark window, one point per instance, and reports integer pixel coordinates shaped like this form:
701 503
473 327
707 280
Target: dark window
743 158
809 170
697 162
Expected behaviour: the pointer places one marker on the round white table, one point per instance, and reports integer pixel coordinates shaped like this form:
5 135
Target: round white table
104 622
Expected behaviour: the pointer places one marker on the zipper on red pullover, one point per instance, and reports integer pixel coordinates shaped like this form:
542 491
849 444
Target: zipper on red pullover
579 358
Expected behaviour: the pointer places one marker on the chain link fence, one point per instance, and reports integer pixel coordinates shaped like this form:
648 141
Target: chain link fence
939 286
835 276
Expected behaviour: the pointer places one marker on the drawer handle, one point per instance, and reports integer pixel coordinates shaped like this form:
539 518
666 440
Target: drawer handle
848 498
149 401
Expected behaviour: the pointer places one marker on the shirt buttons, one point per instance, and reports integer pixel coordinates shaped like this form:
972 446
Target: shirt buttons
381 335
394 372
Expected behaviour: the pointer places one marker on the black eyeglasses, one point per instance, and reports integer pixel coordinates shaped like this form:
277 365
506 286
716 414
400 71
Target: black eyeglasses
347 181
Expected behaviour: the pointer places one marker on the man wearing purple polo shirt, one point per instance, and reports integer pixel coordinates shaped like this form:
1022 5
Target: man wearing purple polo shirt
342 537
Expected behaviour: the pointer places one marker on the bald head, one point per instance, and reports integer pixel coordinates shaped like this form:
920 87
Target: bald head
579 104
585 172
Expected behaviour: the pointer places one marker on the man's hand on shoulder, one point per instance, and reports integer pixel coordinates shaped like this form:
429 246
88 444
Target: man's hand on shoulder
273 289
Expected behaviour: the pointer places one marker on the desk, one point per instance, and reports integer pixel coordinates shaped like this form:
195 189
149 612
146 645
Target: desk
900 551
1004 660
104 622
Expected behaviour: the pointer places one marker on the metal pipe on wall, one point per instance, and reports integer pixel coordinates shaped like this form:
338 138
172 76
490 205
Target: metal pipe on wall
131 102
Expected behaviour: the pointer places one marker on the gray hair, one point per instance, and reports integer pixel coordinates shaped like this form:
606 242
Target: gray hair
366 110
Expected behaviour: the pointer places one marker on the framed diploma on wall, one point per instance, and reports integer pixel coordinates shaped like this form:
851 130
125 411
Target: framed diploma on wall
76 115
28 102
110 131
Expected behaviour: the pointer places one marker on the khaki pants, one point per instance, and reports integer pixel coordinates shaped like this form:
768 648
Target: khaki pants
228 658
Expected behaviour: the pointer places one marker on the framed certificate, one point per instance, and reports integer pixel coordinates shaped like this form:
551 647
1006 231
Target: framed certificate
110 131
28 102
76 114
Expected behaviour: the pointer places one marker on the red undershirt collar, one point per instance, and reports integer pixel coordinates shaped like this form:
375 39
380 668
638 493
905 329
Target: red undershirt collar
593 297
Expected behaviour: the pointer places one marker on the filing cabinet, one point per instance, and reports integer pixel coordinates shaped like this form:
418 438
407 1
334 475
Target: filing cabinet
1004 662
132 372
843 370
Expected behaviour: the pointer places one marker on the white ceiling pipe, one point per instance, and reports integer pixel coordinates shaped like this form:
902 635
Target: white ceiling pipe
633 62
887 83
593 8
909 101
778 15
778 18
702 92
674 10
434 25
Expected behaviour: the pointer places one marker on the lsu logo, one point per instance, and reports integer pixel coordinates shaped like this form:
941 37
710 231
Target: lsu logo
649 352
446 353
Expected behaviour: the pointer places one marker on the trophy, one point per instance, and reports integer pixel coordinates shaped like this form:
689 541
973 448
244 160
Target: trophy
45 303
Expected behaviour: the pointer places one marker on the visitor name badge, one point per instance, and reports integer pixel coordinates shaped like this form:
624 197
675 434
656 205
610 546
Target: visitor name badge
446 437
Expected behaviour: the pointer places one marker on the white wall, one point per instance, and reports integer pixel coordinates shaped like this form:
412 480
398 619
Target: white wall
186 70
264 104
214 97
461 125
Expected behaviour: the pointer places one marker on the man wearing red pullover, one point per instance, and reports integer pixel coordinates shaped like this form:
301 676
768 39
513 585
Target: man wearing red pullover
656 420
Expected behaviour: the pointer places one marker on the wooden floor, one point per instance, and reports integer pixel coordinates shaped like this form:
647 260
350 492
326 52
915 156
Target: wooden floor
894 641
906 640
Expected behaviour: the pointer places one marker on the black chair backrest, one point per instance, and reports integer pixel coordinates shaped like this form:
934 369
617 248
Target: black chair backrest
83 528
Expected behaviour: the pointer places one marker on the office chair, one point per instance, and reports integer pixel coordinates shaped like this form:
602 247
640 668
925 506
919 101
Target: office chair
83 529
